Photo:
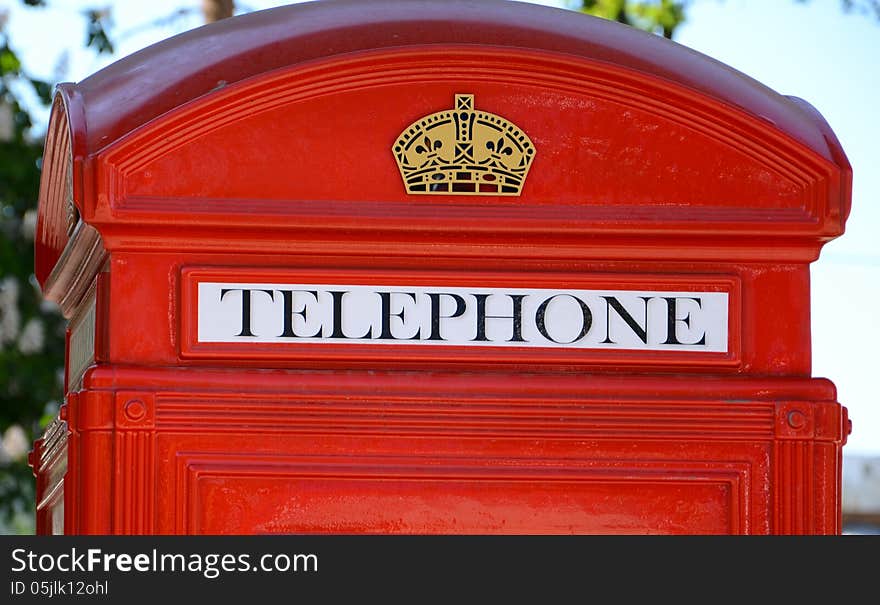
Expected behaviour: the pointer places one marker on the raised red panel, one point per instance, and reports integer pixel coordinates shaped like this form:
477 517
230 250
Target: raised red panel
587 135
608 156
274 498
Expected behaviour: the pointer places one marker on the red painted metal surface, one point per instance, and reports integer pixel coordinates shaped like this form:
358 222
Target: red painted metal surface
258 150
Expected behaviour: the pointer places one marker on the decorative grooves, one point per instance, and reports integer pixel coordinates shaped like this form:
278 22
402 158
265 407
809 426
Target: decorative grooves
134 461
58 214
49 463
81 352
136 491
486 418
793 476
67 251
53 442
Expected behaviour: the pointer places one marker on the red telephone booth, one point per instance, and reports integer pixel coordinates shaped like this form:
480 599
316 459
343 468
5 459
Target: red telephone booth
436 267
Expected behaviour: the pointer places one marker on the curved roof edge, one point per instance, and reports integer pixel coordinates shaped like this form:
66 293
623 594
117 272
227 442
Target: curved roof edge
142 86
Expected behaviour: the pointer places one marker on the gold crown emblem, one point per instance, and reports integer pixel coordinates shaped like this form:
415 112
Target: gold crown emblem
461 151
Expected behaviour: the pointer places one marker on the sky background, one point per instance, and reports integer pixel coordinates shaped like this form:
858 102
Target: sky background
813 50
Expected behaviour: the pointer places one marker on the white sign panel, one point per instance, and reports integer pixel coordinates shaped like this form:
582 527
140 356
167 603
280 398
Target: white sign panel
495 317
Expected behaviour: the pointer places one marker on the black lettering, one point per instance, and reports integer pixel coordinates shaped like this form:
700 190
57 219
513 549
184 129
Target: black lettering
541 318
436 299
612 303
287 296
672 318
387 315
245 307
337 318
516 317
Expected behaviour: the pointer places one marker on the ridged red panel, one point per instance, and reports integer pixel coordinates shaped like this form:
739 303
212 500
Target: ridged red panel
56 187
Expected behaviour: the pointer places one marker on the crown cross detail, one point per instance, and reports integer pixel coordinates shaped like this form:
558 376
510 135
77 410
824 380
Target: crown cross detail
461 151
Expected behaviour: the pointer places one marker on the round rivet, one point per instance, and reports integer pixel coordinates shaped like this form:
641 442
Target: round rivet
796 419
135 409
